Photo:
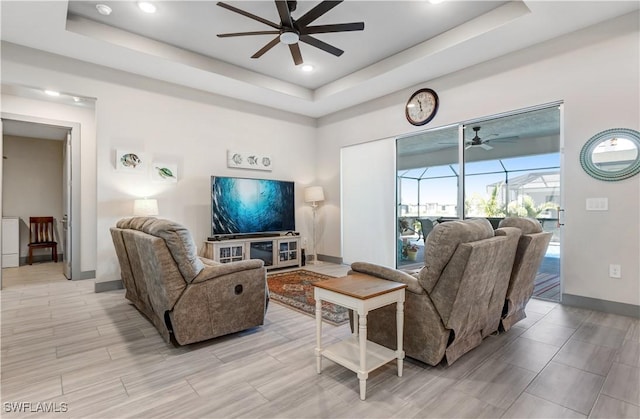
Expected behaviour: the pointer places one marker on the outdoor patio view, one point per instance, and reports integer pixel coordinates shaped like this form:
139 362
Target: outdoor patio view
497 184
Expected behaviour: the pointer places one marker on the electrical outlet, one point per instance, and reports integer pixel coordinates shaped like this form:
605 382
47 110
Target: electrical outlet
304 242
615 271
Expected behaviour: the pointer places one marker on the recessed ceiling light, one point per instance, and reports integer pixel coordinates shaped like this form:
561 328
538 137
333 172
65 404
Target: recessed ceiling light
76 99
307 67
147 7
52 93
436 1
103 9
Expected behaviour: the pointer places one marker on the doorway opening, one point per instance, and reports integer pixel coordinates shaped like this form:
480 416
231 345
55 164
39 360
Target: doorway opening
36 181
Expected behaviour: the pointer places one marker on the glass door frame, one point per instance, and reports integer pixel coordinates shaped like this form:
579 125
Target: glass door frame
461 193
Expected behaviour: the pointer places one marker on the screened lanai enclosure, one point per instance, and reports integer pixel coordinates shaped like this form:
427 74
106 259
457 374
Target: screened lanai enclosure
525 189
493 168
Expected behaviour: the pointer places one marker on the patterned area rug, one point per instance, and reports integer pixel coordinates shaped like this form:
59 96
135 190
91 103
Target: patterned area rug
295 289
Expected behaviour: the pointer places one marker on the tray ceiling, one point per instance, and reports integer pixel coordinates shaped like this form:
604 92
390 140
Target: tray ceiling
404 43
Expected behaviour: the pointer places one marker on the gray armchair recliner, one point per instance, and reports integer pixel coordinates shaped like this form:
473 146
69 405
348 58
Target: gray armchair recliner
450 304
185 296
532 247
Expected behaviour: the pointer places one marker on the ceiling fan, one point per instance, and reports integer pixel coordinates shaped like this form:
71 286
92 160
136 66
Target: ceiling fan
477 141
290 31
482 143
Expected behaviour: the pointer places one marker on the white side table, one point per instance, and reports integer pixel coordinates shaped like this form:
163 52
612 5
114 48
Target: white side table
360 293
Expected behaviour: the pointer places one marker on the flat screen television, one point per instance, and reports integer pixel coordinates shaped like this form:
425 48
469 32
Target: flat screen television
245 206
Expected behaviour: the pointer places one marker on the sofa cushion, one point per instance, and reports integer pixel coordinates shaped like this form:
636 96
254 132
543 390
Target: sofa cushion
177 238
443 242
526 225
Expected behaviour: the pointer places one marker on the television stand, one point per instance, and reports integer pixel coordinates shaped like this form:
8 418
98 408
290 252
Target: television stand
276 250
224 237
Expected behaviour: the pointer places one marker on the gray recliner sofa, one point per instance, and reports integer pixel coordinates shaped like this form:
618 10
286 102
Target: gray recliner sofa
186 296
456 299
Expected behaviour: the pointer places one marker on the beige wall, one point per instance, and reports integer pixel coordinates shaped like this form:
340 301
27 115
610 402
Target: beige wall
596 73
172 124
32 184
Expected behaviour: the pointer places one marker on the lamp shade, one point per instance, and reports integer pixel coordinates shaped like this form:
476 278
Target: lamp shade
145 207
314 194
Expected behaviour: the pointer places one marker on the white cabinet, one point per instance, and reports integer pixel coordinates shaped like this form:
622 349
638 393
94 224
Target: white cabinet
276 252
10 242
228 252
288 252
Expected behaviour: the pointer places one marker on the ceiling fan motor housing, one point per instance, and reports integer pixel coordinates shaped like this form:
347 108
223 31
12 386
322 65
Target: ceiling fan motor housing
476 140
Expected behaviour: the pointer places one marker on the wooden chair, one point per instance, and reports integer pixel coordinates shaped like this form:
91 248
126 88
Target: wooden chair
41 236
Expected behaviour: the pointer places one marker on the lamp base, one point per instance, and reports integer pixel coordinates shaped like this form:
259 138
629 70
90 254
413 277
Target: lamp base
314 260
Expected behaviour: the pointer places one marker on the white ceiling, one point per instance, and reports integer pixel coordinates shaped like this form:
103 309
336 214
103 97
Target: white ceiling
404 43
193 25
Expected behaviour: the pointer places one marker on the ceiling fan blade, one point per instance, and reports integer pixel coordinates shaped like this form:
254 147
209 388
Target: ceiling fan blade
295 53
307 39
486 147
504 139
316 12
249 15
266 48
285 14
468 147
227 35
339 27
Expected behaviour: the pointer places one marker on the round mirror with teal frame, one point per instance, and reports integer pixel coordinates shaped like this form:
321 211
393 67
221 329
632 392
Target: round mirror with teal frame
613 154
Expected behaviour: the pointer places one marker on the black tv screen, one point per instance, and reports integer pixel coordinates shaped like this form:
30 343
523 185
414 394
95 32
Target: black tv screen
243 205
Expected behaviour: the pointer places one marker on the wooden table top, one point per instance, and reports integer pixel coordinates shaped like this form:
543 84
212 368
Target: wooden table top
360 286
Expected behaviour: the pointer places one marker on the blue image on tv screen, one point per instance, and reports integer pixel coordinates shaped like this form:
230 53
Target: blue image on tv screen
241 205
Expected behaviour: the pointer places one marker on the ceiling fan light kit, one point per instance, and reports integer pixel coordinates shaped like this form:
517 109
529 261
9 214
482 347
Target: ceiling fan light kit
289 37
477 141
292 31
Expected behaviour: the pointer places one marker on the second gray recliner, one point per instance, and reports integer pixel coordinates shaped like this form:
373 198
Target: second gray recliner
447 304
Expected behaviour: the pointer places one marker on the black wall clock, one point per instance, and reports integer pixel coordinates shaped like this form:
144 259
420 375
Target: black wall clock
422 106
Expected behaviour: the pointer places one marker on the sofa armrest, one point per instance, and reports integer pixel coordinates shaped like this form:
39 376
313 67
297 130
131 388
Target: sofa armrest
389 274
208 261
215 271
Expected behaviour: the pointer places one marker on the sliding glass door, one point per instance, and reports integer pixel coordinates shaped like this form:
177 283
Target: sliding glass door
428 181
494 168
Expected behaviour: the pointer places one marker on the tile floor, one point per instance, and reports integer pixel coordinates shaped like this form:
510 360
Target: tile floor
65 347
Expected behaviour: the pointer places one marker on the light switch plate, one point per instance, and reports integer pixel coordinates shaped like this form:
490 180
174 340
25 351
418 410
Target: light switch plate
597 204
